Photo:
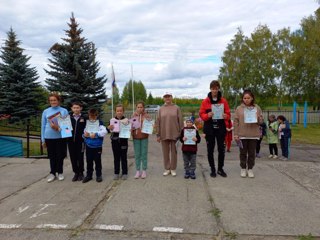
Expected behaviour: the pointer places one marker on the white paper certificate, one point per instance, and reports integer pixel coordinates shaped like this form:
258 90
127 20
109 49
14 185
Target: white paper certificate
189 134
92 126
65 121
147 126
125 130
116 125
250 115
218 110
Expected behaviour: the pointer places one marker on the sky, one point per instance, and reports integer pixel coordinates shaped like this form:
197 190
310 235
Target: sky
171 46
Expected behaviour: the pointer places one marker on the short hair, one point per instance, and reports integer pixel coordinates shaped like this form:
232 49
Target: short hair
93 112
56 95
140 102
76 103
248 91
215 83
282 118
119 105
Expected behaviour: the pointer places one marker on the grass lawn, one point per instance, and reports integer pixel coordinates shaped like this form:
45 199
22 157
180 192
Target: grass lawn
309 135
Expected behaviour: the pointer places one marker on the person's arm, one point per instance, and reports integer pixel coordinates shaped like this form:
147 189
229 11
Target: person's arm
236 124
198 137
157 125
227 114
43 126
182 135
204 113
180 119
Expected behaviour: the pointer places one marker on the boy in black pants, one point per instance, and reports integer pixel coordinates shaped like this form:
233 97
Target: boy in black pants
93 137
75 143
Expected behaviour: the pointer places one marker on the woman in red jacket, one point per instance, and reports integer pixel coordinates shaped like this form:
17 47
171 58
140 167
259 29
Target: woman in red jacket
214 111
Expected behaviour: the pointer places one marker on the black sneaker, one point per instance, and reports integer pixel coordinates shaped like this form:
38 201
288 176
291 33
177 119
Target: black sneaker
80 177
75 178
222 173
99 179
192 175
87 179
186 175
213 174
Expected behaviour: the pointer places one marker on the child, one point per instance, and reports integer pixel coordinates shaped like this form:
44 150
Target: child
119 145
284 136
262 129
140 140
272 136
248 117
189 150
75 143
93 138
228 138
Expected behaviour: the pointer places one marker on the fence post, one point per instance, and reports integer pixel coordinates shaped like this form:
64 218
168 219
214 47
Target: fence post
294 117
298 116
305 119
28 138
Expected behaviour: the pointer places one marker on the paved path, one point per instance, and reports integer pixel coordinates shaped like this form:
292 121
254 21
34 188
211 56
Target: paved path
281 202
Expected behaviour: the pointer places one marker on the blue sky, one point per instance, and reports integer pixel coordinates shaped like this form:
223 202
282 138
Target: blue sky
172 45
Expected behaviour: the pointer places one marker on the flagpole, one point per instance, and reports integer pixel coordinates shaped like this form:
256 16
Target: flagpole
132 89
112 87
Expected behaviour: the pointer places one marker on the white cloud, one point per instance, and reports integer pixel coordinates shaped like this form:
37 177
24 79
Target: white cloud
173 45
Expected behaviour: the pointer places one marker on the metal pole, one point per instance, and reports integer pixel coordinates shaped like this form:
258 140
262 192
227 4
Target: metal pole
28 138
132 89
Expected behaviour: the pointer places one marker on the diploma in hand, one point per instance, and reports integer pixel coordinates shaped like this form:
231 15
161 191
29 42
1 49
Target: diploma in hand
125 130
65 121
135 123
92 126
218 110
250 115
147 126
189 134
116 125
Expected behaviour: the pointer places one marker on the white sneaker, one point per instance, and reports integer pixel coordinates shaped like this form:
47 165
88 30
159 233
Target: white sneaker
271 156
243 172
51 178
60 177
166 172
173 173
284 159
250 173
275 156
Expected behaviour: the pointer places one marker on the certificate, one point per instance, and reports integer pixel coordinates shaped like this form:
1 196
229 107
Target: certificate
116 125
125 130
189 134
250 115
92 126
65 121
147 126
218 110
65 131
135 122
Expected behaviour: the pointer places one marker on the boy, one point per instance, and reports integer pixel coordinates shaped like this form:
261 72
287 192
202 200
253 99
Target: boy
190 138
75 143
93 137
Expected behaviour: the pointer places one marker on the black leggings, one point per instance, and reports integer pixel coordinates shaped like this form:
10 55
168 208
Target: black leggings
273 148
57 151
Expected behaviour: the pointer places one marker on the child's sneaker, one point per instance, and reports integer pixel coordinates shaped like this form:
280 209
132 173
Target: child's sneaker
275 156
124 177
51 178
137 175
243 172
271 156
144 174
173 173
186 174
192 175
284 159
60 177
166 172
250 173
116 177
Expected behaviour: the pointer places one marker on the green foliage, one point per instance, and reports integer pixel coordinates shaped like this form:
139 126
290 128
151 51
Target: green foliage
149 99
140 92
18 86
74 69
308 237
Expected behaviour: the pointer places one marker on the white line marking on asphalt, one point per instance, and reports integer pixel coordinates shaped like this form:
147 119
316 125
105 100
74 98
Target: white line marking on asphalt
22 209
10 225
39 213
167 229
109 227
53 226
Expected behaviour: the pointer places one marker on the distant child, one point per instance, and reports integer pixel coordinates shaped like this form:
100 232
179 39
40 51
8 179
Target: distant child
140 140
284 132
262 129
272 136
247 119
75 143
189 148
119 145
228 138
93 138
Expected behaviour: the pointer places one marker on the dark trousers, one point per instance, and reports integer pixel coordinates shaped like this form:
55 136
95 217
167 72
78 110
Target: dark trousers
248 153
57 149
189 159
219 135
76 152
258 145
273 148
284 142
120 149
93 155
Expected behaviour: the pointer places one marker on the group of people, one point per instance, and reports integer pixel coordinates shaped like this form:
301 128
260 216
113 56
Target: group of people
170 129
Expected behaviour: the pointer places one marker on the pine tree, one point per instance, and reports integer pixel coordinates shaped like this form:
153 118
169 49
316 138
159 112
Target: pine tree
74 69
19 90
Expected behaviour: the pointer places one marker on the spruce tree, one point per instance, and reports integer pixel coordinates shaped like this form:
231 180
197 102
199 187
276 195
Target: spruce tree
74 69
19 89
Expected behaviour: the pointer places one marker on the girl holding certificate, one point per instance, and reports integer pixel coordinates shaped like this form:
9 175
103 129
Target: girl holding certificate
119 145
214 111
140 140
51 136
247 120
